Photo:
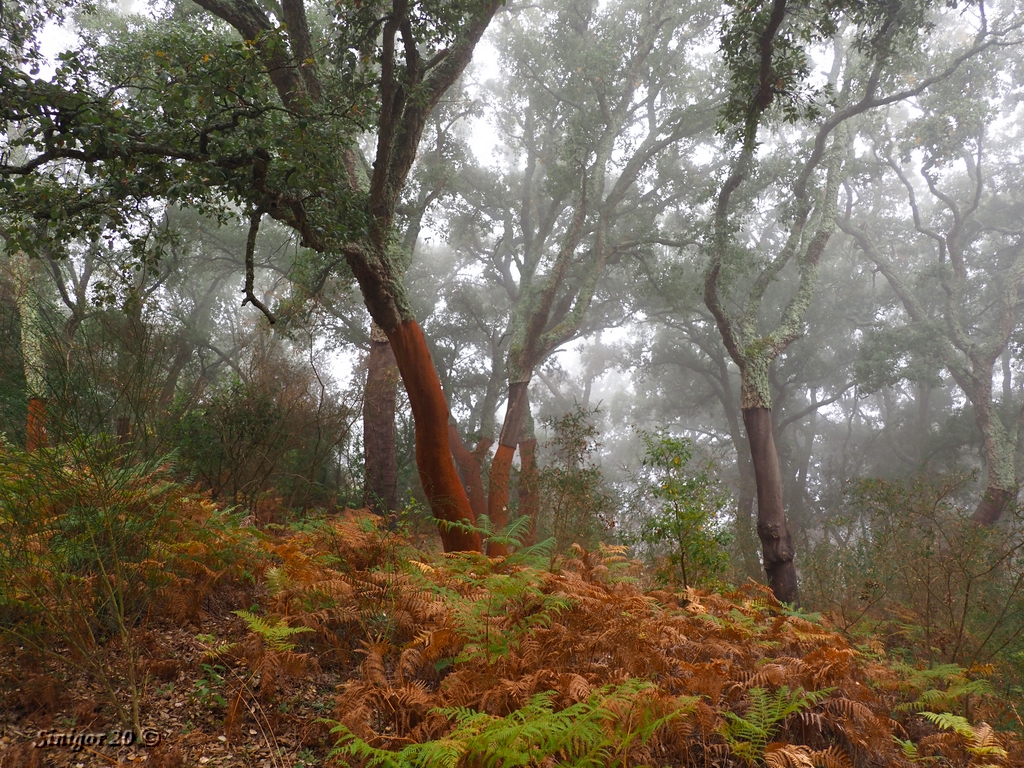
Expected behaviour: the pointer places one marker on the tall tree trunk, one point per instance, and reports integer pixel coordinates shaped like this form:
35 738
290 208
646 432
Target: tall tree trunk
501 465
468 464
31 351
529 487
380 487
745 515
998 451
776 541
441 483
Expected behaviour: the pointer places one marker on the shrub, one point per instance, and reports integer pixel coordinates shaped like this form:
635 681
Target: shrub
576 505
679 505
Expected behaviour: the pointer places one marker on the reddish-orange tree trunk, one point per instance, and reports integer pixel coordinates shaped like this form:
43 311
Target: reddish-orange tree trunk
447 497
501 464
35 428
468 463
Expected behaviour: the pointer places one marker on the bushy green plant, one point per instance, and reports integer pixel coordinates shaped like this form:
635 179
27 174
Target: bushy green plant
679 504
93 542
77 528
577 507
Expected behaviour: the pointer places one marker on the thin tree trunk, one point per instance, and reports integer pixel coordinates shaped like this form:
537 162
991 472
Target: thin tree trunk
35 427
27 299
380 487
745 516
468 464
529 488
776 541
441 484
501 465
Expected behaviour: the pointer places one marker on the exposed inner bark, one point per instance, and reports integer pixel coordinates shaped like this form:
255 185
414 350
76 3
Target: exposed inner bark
501 464
497 496
468 463
380 490
441 483
776 541
35 431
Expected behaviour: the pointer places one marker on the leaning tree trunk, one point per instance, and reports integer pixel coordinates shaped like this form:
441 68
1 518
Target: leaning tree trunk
380 487
776 541
441 483
468 463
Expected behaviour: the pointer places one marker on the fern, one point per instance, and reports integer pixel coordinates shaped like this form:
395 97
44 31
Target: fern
947 699
590 733
749 735
980 741
273 632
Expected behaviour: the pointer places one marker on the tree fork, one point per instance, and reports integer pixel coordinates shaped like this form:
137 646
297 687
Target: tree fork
468 464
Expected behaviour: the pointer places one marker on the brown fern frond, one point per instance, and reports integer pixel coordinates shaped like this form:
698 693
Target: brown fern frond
409 664
833 757
372 668
779 755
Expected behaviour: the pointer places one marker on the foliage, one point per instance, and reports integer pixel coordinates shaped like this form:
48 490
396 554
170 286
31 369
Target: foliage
279 427
919 570
272 632
750 733
683 520
588 733
980 741
576 505
91 543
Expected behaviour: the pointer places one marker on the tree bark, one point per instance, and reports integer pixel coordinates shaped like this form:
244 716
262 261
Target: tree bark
380 487
529 488
501 464
35 428
745 515
24 271
776 541
441 484
992 505
468 464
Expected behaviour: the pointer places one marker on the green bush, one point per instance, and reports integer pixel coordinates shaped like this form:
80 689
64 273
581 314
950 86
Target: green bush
679 504
576 507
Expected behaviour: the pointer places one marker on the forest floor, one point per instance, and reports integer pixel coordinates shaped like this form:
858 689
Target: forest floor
339 643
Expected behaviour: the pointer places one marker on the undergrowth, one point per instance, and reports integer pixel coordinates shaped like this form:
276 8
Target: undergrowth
460 660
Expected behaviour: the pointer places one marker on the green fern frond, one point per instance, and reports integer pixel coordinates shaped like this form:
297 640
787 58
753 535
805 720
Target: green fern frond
274 633
935 699
588 734
748 735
